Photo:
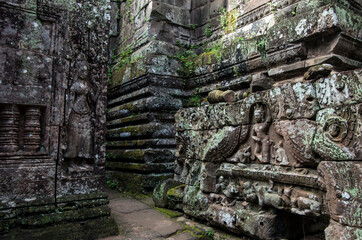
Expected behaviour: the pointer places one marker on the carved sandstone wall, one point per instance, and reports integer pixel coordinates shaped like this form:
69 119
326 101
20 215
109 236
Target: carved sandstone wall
284 159
287 155
52 117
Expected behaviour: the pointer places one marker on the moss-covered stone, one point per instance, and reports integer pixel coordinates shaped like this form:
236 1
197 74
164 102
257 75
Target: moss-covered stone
160 193
170 213
89 229
175 196
135 182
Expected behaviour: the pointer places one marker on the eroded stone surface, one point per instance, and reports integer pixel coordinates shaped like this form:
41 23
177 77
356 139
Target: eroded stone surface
249 165
52 104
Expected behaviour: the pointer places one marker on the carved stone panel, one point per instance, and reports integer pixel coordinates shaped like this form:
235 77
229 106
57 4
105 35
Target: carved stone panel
338 135
339 89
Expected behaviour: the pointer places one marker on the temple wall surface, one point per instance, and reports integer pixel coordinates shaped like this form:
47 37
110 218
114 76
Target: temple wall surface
272 148
268 139
145 91
52 119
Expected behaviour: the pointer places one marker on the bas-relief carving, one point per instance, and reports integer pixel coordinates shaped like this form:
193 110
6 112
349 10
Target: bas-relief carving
259 133
79 136
270 159
228 190
294 149
80 163
293 101
338 135
343 196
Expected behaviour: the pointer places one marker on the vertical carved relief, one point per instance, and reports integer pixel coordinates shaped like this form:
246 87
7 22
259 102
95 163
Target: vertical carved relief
259 132
295 147
32 129
223 144
79 128
9 128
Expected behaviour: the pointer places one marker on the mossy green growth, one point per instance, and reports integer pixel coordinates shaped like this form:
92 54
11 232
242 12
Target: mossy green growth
169 213
194 231
209 234
117 76
175 191
129 14
193 101
261 42
137 185
136 154
228 20
187 58
111 184
208 30
124 57
193 26
175 196
138 195
348 19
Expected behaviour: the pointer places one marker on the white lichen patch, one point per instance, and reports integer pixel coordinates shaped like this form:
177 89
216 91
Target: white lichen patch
300 28
330 13
227 218
125 134
29 199
346 195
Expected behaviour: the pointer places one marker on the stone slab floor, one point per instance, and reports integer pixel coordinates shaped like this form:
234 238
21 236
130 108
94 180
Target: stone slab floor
140 220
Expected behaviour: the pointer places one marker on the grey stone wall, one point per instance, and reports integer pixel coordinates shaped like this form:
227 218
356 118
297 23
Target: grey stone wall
145 91
52 118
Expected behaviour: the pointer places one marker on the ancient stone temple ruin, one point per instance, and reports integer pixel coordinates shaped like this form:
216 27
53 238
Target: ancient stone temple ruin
251 107
269 132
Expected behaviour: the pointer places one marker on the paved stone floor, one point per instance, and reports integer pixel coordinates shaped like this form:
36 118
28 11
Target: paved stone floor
140 220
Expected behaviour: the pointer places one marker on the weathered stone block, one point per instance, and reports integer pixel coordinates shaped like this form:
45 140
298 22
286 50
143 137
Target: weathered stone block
342 180
338 133
160 192
38 174
336 231
339 89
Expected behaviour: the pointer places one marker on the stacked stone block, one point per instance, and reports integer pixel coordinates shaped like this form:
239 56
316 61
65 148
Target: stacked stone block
145 91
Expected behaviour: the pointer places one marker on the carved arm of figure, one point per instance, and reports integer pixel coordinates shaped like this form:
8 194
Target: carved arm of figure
254 135
180 150
93 95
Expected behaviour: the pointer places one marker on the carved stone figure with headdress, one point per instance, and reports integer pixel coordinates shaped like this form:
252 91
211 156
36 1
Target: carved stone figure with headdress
260 134
79 124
